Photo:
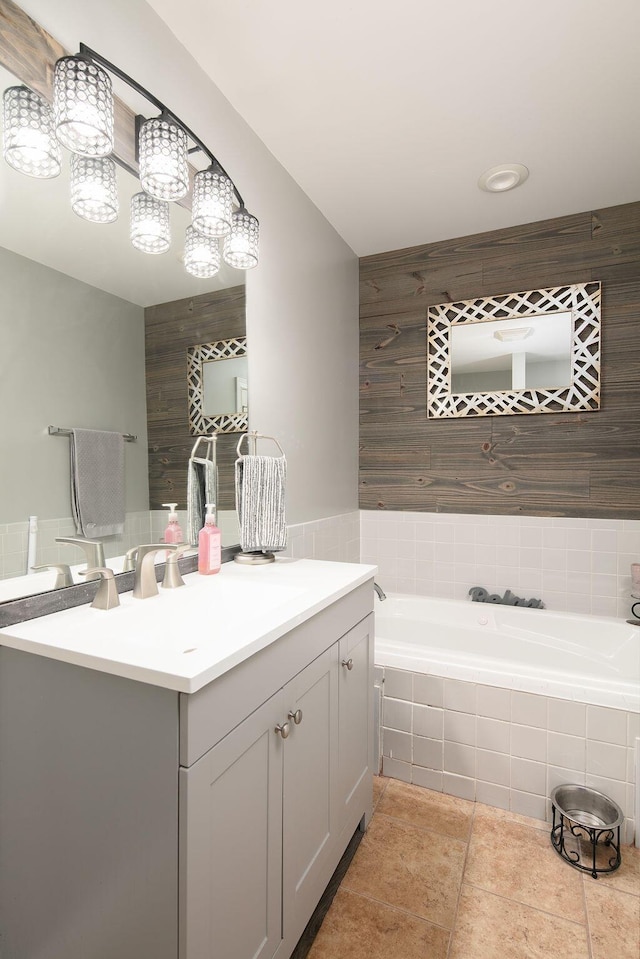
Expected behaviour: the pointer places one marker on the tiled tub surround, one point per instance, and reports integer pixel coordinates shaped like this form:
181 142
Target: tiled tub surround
573 565
504 747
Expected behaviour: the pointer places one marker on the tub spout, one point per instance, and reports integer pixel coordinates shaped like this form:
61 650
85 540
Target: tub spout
381 594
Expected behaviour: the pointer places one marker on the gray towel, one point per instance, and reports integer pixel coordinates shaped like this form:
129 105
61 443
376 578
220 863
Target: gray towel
260 483
97 482
201 489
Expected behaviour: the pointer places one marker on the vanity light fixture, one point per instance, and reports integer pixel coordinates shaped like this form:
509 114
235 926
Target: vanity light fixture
94 195
201 254
499 179
30 145
162 155
150 230
212 201
82 120
83 106
240 248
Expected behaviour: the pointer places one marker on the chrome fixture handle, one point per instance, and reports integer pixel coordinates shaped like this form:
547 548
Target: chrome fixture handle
283 729
348 663
381 595
144 584
107 594
172 576
93 550
64 577
297 716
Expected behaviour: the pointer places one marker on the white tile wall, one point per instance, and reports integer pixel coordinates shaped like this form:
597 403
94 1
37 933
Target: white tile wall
14 536
573 565
333 538
502 747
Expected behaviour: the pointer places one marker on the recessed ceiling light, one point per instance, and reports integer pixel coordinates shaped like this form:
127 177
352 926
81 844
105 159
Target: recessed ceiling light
501 178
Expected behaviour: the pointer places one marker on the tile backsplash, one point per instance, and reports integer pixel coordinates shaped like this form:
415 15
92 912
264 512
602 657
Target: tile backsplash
573 565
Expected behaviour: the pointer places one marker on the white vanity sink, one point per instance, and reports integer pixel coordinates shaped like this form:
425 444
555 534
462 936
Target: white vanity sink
184 638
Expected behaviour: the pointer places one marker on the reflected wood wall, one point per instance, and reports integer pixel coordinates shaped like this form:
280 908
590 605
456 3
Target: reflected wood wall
170 328
571 464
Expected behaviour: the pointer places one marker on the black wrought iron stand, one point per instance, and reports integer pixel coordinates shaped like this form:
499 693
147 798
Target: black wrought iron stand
586 816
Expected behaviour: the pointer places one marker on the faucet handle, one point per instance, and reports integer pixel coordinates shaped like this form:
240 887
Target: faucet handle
64 577
172 576
130 557
107 594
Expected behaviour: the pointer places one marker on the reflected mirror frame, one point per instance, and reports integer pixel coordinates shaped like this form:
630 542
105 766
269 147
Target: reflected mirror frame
581 299
200 424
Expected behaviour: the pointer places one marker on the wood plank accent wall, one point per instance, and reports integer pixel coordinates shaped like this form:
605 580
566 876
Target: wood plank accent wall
170 328
570 464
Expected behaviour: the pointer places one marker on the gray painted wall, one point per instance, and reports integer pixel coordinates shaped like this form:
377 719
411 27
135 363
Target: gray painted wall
302 301
70 355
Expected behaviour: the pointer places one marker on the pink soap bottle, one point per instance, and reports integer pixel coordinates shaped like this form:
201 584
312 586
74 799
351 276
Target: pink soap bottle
209 542
173 533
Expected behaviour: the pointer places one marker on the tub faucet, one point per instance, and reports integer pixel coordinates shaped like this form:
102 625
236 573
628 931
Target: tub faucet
381 595
93 551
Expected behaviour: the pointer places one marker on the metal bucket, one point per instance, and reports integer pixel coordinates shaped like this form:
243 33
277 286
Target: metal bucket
586 826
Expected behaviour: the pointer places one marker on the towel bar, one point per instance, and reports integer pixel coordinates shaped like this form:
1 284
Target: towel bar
61 431
252 438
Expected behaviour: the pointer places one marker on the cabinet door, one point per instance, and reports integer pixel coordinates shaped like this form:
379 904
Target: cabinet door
355 735
231 843
309 790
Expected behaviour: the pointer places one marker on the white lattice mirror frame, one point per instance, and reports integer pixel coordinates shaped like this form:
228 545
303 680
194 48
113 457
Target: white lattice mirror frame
583 393
201 424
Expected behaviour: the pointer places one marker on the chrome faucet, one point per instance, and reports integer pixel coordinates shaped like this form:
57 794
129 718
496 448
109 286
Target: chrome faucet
144 581
381 595
93 551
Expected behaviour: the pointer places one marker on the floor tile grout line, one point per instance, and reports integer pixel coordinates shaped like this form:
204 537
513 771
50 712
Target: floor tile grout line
527 905
414 825
586 913
394 906
464 869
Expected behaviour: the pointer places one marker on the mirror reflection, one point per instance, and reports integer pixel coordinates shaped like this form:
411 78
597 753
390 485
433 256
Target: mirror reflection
515 354
224 386
80 309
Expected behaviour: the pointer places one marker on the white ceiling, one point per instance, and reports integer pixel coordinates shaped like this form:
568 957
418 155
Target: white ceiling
387 113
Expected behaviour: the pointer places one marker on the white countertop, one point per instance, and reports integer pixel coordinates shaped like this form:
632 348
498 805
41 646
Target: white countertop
184 638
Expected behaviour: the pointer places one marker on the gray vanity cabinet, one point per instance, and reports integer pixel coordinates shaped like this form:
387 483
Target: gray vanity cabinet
119 800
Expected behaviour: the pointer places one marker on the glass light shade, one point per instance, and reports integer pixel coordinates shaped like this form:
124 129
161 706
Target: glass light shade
162 150
241 245
150 224
94 194
212 206
201 254
30 145
83 107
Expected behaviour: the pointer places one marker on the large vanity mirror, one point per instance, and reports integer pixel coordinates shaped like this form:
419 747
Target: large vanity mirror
532 352
80 309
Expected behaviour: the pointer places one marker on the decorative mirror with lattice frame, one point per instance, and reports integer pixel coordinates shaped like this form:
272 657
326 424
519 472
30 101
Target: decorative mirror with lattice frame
582 301
201 424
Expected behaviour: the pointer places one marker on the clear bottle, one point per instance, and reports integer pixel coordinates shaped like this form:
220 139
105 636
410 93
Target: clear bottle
209 544
173 532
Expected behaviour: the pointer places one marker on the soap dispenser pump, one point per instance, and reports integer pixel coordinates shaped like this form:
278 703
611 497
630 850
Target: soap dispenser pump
209 544
173 533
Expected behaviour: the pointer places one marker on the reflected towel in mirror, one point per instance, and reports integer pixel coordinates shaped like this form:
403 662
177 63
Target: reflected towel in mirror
201 489
97 482
260 489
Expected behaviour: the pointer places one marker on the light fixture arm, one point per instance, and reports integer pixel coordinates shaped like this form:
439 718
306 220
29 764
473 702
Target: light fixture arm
89 54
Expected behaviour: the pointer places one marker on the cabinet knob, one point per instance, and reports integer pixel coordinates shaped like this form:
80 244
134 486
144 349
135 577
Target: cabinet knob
283 729
348 663
297 716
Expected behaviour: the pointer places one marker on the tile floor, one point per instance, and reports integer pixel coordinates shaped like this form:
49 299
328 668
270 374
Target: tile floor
436 877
